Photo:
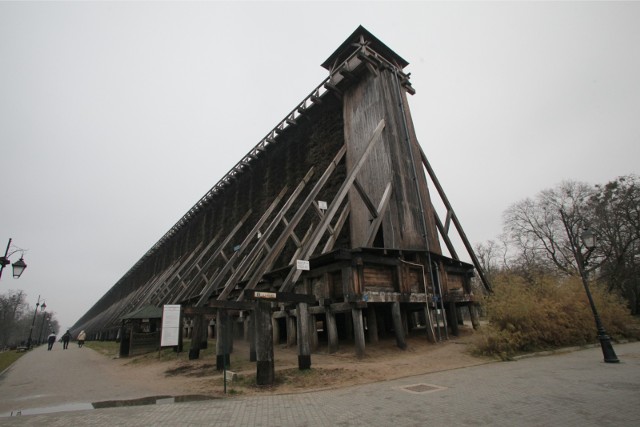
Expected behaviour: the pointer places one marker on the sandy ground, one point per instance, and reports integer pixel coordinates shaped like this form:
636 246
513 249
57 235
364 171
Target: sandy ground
65 378
383 361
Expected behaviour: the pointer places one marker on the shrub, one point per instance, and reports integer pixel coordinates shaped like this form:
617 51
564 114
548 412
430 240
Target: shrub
548 313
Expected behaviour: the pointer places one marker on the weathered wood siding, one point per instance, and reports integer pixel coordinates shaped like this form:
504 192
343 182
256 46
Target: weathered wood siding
372 98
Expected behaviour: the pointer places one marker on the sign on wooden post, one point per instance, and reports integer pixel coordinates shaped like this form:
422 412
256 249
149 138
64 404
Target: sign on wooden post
170 325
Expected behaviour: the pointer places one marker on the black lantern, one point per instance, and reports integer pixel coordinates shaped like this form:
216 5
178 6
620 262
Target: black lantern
18 267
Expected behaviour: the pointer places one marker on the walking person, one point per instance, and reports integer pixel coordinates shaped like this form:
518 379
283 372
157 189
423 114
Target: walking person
51 339
81 337
65 339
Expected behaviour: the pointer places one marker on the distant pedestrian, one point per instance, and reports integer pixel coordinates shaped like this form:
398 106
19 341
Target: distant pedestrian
51 340
65 339
81 337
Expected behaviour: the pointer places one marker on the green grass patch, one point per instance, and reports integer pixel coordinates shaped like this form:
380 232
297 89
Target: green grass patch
107 348
8 357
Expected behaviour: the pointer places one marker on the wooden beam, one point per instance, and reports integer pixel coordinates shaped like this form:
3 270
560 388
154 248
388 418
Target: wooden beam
213 285
279 245
251 262
331 241
382 208
365 198
456 222
445 237
294 273
279 296
265 368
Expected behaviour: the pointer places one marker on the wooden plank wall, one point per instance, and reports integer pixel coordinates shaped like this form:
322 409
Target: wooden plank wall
365 103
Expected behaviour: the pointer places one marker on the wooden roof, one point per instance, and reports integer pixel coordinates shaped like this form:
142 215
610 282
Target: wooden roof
351 44
146 312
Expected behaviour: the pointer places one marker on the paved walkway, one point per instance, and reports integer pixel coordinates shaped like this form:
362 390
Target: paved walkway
571 389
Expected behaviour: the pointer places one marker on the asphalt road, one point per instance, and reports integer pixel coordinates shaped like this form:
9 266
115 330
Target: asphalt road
569 389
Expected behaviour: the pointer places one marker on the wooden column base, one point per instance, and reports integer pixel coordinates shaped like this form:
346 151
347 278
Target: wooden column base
265 372
220 361
304 362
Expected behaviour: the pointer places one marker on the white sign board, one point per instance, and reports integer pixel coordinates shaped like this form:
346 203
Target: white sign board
302 265
170 325
322 205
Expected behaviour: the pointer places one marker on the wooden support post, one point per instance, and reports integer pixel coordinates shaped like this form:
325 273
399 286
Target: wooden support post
247 328
405 321
179 347
313 333
291 331
372 324
348 327
304 349
265 371
452 318
196 339
398 326
204 332
252 337
431 334
460 316
475 317
222 339
332 331
358 331
275 326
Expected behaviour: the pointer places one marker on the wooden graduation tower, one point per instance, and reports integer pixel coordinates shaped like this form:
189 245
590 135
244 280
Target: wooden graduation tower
323 233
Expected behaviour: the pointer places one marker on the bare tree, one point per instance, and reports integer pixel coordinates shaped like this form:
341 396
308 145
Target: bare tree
617 220
12 310
537 232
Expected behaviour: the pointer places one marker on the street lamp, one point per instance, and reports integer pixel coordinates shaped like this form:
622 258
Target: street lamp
33 323
589 241
18 266
44 316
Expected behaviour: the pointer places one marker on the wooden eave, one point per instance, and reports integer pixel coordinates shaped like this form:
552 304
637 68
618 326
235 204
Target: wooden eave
351 44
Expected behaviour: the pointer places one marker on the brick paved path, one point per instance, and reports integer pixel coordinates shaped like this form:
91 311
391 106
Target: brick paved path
571 389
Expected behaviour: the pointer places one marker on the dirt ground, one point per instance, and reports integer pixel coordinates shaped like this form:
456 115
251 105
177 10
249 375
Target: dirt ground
383 361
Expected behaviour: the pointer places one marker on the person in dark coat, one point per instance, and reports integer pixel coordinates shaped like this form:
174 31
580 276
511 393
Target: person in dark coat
65 339
51 340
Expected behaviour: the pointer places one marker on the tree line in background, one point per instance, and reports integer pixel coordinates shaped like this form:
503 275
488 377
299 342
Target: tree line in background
17 319
538 300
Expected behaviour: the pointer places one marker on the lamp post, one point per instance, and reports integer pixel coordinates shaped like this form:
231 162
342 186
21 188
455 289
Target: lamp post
44 316
33 323
589 241
18 266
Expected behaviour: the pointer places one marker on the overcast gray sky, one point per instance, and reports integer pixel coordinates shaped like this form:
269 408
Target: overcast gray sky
115 118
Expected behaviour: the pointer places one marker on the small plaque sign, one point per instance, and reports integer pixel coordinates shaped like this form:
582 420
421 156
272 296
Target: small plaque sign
302 265
267 295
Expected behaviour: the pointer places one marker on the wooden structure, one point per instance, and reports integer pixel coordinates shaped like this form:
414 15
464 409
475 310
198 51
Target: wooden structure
140 331
341 183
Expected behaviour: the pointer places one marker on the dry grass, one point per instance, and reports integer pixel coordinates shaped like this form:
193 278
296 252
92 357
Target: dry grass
547 314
